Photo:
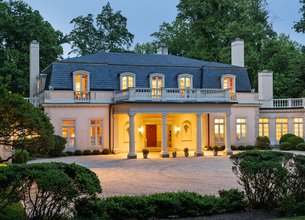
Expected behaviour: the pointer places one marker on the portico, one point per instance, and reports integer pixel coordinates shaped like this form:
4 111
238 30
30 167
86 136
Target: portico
164 127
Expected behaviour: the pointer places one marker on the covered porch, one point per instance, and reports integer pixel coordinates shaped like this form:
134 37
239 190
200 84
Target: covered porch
165 128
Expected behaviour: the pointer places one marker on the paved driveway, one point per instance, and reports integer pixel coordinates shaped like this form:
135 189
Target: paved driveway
120 176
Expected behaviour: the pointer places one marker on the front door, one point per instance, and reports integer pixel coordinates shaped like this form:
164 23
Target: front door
151 135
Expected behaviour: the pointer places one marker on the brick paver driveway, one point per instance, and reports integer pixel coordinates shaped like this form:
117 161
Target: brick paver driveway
120 176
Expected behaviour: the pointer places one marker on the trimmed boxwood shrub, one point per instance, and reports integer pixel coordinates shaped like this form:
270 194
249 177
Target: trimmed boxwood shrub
105 151
78 153
13 212
96 152
285 137
301 147
249 147
87 152
294 141
232 200
241 147
286 146
59 146
70 153
20 156
262 143
233 147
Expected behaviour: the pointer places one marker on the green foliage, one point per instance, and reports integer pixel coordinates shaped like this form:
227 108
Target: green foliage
13 212
108 33
262 142
21 156
59 146
145 151
241 147
285 137
47 190
105 151
289 206
186 150
146 48
232 200
70 153
286 146
20 25
96 152
300 25
300 146
233 147
216 148
294 141
87 152
78 153
250 147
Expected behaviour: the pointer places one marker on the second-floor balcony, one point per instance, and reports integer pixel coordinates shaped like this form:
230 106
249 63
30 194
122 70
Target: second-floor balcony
173 94
283 103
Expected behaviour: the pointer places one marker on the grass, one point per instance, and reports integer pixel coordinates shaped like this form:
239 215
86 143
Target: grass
292 218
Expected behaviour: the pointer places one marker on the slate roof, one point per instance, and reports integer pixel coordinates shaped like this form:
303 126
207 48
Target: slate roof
105 69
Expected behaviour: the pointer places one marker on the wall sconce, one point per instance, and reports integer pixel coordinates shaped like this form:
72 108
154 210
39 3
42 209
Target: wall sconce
177 129
141 130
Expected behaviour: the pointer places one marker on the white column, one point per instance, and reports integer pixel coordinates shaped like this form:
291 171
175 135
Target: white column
115 136
290 125
132 154
272 130
228 150
199 151
164 152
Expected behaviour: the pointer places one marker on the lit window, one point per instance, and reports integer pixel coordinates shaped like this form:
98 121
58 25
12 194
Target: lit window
241 129
228 82
81 85
68 132
264 127
219 127
185 82
127 80
156 84
298 127
281 127
96 132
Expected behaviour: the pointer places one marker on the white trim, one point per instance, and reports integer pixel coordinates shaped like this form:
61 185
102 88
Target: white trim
127 74
75 132
185 75
157 75
89 130
228 76
245 141
82 72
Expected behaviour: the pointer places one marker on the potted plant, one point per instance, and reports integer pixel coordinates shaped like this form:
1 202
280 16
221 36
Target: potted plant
145 152
215 150
186 152
174 154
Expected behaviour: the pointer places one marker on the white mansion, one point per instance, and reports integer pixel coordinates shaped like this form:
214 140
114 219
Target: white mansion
127 102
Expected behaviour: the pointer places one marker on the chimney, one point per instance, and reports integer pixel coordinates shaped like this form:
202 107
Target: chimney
238 52
162 49
265 85
34 66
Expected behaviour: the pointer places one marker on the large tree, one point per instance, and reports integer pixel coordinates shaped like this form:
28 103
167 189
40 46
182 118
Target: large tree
20 120
19 25
108 33
300 25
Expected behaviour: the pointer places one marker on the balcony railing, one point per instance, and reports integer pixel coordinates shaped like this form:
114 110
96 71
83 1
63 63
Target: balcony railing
283 103
168 94
82 96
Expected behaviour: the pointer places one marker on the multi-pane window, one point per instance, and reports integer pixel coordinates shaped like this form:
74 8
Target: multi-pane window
228 84
68 132
81 86
281 127
96 132
219 127
264 127
185 83
298 127
156 85
127 82
241 129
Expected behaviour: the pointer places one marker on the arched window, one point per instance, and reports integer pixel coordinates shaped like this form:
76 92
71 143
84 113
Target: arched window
81 84
228 82
127 80
157 82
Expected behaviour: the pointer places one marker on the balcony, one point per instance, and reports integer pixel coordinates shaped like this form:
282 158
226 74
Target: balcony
82 96
283 103
174 95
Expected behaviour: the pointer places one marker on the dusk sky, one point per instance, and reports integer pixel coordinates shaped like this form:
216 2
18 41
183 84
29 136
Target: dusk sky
145 16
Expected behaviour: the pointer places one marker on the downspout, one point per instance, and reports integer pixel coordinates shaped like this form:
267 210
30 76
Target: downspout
110 128
209 129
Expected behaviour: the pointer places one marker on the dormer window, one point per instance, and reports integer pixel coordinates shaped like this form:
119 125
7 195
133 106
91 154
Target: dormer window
185 82
228 82
81 85
157 82
127 80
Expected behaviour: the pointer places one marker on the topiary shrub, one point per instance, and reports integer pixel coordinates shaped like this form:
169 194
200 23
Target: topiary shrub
222 148
47 190
286 146
59 146
233 147
241 147
294 141
249 147
87 152
301 147
232 200
70 153
78 153
20 156
96 152
285 137
262 143
105 151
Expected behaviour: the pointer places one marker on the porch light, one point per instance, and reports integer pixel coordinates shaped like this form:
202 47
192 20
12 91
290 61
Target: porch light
177 129
141 130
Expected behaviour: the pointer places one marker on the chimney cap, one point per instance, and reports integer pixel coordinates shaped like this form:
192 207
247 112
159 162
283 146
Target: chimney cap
237 39
34 42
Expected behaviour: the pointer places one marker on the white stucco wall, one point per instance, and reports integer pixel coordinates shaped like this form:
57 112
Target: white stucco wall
81 114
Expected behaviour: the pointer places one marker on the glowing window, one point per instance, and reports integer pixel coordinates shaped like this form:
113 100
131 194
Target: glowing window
219 127
96 132
156 84
228 84
241 129
81 82
264 127
68 132
298 127
281 127
127 82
